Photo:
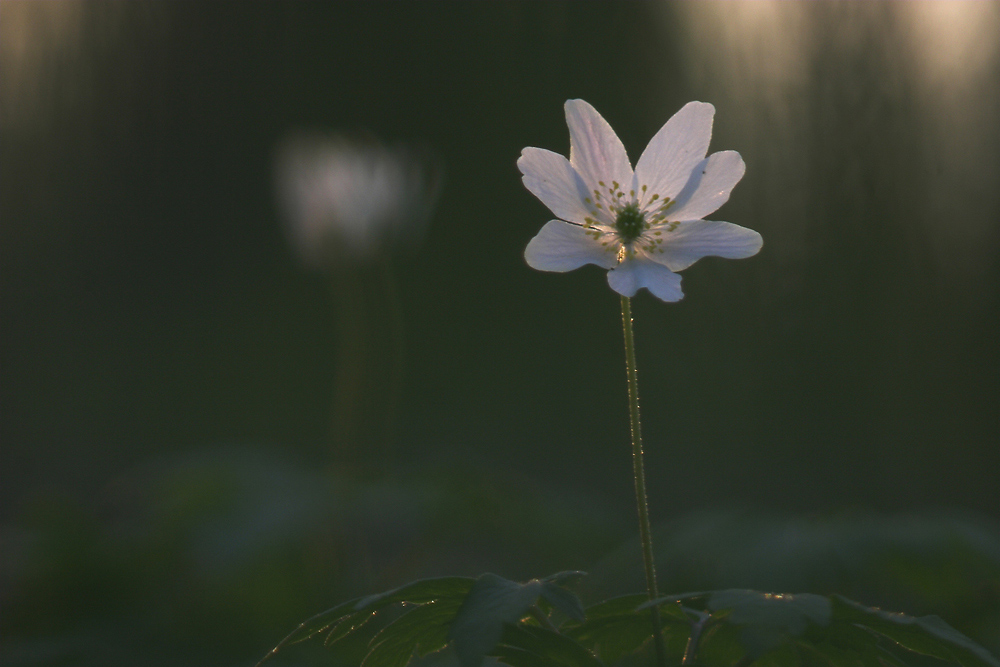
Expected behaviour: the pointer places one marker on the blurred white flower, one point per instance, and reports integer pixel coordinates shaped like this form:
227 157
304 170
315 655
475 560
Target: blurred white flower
642 225
347 202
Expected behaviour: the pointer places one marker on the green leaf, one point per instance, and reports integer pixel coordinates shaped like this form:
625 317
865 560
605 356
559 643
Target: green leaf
620 626
565 601
624 604
613 637
516 657
721 645
927 635
768 621
847 645
418 592
423 629
554 592
543 643
316 624
346 618
485 617
347 626
791 612
612 628
491 602
793 630
565 578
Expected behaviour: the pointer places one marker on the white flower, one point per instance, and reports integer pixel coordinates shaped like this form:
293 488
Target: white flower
347 202
644 225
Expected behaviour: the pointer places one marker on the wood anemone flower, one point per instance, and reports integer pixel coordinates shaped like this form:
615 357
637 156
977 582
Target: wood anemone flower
643 225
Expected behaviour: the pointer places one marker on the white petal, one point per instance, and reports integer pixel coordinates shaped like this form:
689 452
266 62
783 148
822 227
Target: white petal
595 151
703 238
550 177
712 181
628 277
560 246
674 152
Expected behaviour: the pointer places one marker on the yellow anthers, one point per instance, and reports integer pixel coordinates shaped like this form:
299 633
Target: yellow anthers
601 183
653 198
614 183
587 200
631 193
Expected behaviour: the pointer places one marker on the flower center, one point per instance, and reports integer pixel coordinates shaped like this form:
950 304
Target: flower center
630 222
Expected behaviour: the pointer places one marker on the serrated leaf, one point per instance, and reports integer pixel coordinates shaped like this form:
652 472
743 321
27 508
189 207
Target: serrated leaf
620 626
721 645
846 643
623 604
768 621
344 619
671 609
565 601
516 657
751 626
423 629
786 655
564 578
314 625
613 637
791 613
352 643
927 635
491 602
546 644
696 600
770 629
347 626
419 592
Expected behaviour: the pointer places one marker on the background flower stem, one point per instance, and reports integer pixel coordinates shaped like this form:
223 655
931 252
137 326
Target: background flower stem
640 479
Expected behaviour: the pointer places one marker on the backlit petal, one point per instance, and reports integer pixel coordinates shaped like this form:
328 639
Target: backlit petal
704 238
712 181
630 276
560 246
673 152
595 151
550 177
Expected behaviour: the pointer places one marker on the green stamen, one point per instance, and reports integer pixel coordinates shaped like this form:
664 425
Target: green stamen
630 222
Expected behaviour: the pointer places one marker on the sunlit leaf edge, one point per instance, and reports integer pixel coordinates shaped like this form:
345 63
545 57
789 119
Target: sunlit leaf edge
423 629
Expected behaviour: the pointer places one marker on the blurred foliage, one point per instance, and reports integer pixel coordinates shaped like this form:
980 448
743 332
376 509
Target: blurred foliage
541 623
214 557
941 564
217 555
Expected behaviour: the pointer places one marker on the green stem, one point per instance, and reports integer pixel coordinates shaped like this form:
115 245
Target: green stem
645 533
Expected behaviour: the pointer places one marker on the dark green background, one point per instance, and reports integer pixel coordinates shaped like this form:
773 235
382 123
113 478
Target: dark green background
156 319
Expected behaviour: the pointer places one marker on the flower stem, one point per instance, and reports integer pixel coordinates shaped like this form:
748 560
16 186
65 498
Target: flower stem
640 479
